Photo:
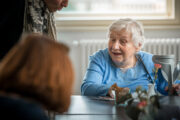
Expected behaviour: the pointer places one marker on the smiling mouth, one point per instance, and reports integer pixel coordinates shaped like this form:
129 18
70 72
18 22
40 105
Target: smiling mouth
117 54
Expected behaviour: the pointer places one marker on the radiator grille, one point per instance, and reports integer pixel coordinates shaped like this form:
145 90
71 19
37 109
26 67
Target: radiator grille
154 46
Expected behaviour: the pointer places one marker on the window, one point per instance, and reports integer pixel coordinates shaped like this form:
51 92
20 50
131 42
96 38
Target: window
103 12
110 9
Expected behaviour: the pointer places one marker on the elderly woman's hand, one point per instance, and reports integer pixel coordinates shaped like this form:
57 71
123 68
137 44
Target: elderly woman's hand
54 5
175 90
176 87
110 92
119 90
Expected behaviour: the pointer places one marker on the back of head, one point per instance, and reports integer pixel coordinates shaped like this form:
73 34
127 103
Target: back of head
131 26
40 69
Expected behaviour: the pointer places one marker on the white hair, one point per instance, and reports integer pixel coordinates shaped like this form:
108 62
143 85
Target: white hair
132 26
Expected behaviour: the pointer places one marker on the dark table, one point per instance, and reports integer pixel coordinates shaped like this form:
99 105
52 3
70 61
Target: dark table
94 108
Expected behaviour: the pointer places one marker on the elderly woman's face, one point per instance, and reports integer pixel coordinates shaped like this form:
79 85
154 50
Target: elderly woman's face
121 47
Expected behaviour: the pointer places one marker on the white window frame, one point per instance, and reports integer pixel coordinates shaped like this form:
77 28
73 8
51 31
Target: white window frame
84 21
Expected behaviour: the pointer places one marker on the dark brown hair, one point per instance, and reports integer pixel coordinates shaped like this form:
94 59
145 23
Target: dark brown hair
38 68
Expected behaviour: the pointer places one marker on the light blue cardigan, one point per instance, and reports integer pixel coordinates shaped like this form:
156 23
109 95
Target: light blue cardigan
101 74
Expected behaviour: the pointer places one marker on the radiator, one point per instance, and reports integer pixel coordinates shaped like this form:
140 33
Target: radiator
154 46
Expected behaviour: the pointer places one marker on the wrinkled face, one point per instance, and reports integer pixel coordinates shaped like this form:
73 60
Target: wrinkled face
121 47
55 5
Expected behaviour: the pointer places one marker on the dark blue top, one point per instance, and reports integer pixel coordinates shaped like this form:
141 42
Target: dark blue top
19 109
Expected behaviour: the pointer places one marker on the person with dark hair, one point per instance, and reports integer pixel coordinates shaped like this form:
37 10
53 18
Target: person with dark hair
27 16
35 75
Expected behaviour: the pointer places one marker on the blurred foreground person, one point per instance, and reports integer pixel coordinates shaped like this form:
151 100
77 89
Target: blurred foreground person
35 75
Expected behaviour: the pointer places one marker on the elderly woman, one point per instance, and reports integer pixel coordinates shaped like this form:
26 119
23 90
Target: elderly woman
122 63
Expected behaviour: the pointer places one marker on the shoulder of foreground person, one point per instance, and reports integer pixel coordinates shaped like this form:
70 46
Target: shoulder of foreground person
16 108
